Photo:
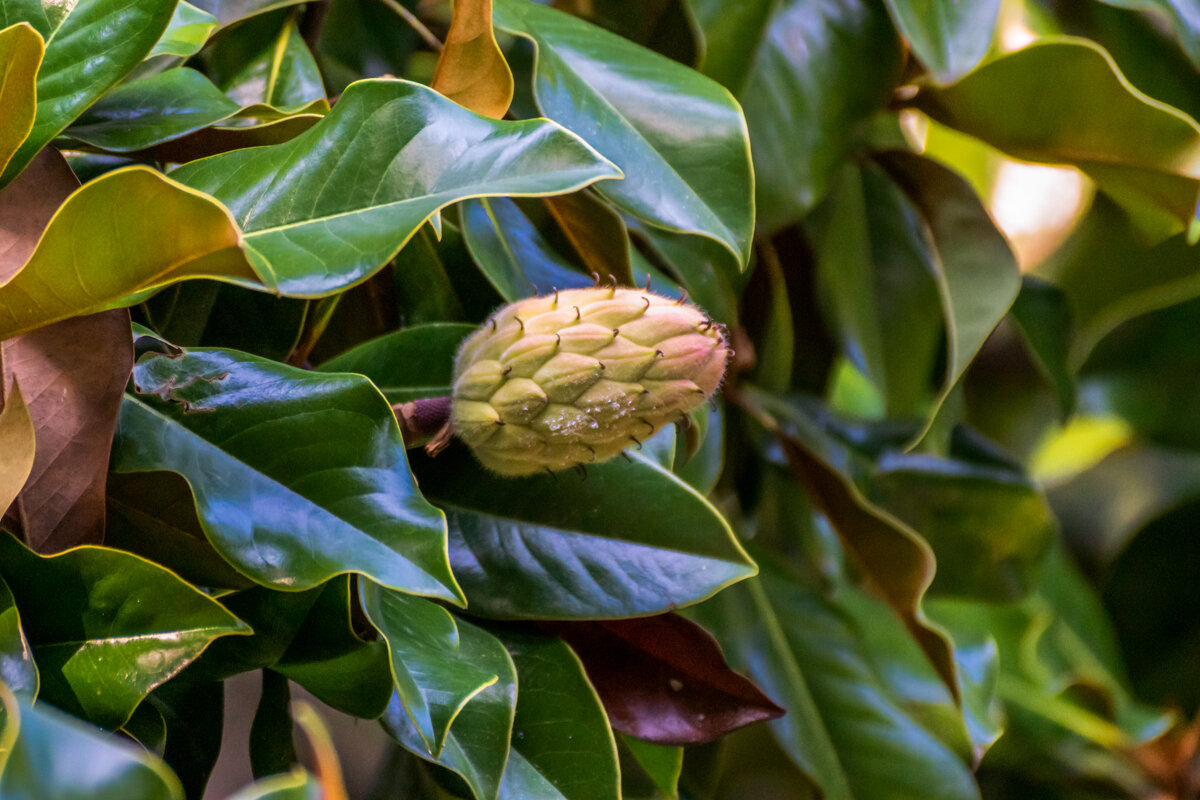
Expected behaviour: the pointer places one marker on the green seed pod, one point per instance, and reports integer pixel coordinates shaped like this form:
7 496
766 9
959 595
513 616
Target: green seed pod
575 378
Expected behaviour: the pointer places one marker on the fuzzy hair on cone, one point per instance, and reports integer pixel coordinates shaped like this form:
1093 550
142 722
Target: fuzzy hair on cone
576 377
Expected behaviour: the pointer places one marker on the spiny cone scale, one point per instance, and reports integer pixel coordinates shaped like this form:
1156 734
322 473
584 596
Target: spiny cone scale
576 377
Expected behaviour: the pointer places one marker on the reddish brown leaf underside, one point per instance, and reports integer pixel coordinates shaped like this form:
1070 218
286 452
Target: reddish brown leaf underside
664 679
72 375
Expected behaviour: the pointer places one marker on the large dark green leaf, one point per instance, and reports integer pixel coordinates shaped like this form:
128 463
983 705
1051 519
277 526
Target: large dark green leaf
389 155
842 728
477 747
680 138
91 44
298 476
733 33
823 70
438 666
408 364
107 627
152 110
193 714
1043 316
230 11
562 747
877 270
17 668
561 546
988 527
49 754
1144 154
950 37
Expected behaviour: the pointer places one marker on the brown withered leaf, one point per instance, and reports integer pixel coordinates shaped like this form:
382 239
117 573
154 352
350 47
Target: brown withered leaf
664 679
72 375
471 70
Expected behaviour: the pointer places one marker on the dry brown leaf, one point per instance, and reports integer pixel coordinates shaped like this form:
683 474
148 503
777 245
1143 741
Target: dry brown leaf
471 70
72 375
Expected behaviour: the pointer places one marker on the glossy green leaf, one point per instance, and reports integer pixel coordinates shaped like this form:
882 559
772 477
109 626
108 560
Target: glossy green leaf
363 39
375 195
324 448
512 253
265 65
519 556
877 270
18 671
49 754
91 44
408 364
329 658
1146 155
948 36
21 50
562 747
988 527
664 26
107 627
434 678
477 746
821 72
89 259
899 562
186 33
17 442
976 272
686 171
152 110
733 33
842 728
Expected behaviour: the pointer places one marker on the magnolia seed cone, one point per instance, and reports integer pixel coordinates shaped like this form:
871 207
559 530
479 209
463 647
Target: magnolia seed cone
576 377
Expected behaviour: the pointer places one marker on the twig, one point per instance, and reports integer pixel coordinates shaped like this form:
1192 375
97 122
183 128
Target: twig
421 421
416 24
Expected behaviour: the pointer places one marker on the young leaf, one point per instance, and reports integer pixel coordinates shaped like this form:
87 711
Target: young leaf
680 138
325 448
21 50
107 627
520 557
434 678
665 680
477 746
50 754
471 70
91 45
186 33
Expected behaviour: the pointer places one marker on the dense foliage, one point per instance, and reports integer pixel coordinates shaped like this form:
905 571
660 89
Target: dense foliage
940 519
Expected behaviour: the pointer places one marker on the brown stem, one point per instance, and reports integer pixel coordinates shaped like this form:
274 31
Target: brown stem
422 421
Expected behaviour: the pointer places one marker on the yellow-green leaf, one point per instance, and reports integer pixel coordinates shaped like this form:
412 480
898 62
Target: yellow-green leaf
17 445
471 70
21 49
128 231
